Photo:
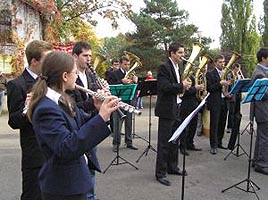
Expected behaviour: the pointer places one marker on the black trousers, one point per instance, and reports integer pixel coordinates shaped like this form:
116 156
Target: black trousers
167 152
46 196
218 115
30 184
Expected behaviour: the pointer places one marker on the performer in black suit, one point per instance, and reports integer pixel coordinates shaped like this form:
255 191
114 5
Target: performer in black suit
115 66
118 77
169 86
236 109
189 103
216 104
18 95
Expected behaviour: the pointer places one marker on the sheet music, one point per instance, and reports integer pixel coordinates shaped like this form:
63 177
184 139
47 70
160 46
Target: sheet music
183 125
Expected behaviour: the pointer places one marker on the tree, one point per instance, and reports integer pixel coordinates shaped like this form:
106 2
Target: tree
239 30
159 23
263 25
88 10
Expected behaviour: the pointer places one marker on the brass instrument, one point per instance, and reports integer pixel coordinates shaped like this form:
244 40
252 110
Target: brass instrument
100 82
134 63
99 59
200 76
196 48
227 73
122 105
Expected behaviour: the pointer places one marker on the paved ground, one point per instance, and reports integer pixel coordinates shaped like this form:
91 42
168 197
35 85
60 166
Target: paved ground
208 174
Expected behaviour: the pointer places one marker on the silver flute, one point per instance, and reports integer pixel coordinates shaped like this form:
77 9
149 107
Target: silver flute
122 105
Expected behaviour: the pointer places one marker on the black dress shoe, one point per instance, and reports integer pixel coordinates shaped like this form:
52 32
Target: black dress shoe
213 151
193 148
261 170
132 147
184 152
163 181
177 172
222 147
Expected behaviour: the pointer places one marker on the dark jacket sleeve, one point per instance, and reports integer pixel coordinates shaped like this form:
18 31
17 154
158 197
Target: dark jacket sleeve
164 83
15 101
212 84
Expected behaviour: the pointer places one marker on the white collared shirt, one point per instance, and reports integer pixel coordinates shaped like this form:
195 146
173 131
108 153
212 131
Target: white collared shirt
34 75
83 78
176 68
53 95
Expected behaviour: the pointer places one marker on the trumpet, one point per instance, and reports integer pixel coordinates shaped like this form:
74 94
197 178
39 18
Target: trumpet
122 105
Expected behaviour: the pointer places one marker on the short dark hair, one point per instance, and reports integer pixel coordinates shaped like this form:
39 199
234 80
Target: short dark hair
79 46
114 60
35 49
123 58
218 57
174 46
262 53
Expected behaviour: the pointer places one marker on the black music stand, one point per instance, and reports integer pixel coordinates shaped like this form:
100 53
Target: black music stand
125 92
239 87
255 93
148 88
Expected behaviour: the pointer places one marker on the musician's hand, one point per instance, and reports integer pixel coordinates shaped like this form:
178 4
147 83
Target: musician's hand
28 99
135 79
109 105
126 80
200 87
187 84
227 95
225 83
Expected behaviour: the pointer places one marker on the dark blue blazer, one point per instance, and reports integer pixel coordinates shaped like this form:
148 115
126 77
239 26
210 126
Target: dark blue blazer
63 141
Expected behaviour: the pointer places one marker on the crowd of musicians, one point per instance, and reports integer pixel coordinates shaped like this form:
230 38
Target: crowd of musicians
61 125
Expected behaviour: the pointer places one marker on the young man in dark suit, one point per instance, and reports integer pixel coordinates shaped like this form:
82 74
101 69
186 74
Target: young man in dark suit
18 96
260 109
169 86
118 77
216 104
86 78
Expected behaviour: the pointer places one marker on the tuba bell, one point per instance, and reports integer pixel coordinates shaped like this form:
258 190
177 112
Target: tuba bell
188 69
227 73
134 63
200 75
99 59
196 49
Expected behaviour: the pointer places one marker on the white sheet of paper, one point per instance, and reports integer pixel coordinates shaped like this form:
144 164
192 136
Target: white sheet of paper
183 125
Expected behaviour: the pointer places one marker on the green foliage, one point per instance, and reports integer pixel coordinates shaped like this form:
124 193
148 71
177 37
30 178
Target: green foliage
265 24
158 24
239 31
89 10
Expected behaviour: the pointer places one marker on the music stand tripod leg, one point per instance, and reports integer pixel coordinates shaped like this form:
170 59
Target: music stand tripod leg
145 152
250 183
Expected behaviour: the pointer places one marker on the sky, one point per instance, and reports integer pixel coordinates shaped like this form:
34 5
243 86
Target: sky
205 14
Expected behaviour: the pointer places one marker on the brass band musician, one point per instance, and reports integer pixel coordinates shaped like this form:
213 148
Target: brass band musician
217 104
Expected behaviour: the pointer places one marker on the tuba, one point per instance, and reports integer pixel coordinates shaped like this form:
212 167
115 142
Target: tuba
188 69
134 63
197 47
99 59
227 73
200 76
